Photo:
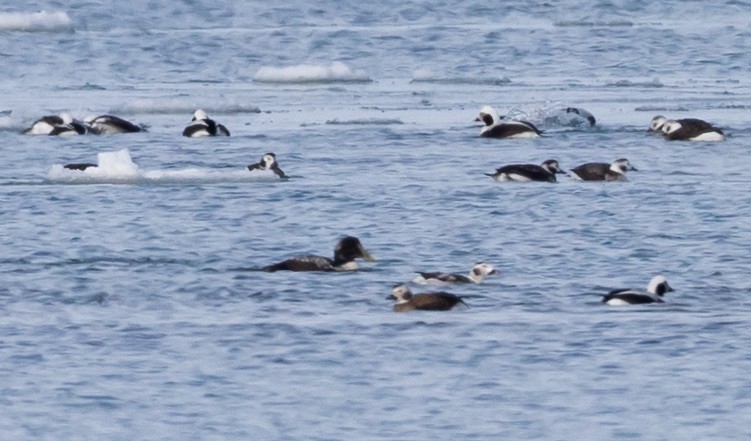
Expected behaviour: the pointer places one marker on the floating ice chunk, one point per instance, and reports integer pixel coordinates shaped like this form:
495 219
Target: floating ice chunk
36 22
308 73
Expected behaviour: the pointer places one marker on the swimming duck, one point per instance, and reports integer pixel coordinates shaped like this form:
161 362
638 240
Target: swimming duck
544 172
656 124
602 171
476 275
691 129
433 301
346 251
57 125
268 162
202 125
656 289
110 124
495 128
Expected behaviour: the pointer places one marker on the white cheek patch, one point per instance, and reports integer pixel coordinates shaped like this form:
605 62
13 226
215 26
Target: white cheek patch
671 127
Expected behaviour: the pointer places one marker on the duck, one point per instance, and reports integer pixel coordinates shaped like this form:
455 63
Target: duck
602 171
495 128
656 289
346 251
202 125
656 124
544 172
111 124
57 125
691 129
430 301
583 113
476 275
45 124
268 162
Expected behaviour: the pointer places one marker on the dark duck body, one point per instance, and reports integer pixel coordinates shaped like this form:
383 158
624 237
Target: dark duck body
602 171
111 124
347 250
433 301
544 172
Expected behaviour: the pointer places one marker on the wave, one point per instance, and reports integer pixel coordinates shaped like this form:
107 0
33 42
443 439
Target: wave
551 115
661 108
426 76
6 123
42 21
175 106
118 168
365 121
308 73
628 83
594 23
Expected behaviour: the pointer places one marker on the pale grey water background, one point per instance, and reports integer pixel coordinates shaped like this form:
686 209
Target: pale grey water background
135 311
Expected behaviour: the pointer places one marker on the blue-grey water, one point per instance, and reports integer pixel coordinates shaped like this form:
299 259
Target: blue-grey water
133 309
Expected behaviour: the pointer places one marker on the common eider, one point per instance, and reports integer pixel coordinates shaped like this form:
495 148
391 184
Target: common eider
347 250
268 162
110 124
495 128
433 301
202 125
476 275
602 171
656 289
528 172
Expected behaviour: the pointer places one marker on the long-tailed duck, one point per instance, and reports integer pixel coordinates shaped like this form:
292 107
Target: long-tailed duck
57 125
495 128
268 162
691 129
110 124
582 113
528 172
602 171
433 301
202 125
347 250
656 289
656 124
476 275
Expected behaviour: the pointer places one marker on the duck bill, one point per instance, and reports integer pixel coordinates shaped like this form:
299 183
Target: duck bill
634 169
365 255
